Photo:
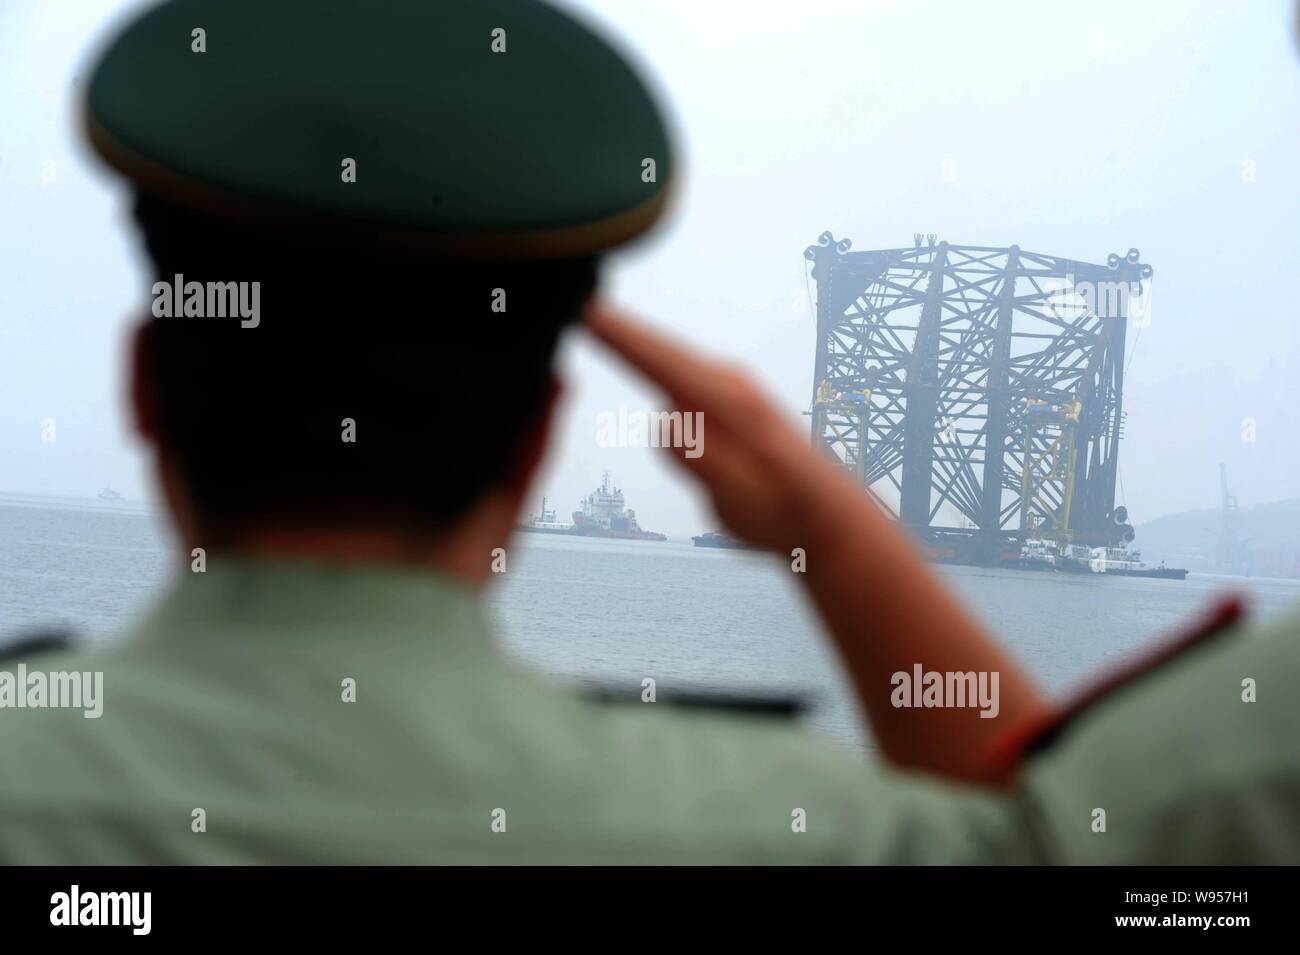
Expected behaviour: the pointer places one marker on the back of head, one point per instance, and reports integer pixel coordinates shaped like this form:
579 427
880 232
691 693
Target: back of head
368 225
343 386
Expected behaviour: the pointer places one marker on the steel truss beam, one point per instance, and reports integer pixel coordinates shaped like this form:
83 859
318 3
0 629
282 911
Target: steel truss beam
951 343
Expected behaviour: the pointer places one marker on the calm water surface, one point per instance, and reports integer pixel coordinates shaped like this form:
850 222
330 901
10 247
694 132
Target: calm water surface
618 611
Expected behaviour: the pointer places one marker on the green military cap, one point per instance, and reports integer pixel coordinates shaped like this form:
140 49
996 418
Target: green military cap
470 128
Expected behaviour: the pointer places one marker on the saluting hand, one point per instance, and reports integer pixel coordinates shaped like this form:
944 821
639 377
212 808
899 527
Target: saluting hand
768 487
886 610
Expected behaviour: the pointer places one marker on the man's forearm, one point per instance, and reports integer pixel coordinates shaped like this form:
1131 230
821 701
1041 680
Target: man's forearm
888 613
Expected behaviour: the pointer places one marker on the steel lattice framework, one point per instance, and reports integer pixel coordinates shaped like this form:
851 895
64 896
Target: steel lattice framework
946 350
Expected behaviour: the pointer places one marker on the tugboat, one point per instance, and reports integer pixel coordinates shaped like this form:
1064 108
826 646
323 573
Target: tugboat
603 515
1114 561
1036 554
546 523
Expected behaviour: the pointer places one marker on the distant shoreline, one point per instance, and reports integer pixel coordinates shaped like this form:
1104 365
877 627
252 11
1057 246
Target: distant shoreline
77 503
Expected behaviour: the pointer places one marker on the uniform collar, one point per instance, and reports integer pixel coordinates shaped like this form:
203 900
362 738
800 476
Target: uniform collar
294 602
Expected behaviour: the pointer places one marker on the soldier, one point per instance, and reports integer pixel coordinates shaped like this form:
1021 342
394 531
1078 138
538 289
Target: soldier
368 227
1181 758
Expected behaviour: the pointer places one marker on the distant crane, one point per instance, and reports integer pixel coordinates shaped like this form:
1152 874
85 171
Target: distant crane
1229 524
850 406
1050 459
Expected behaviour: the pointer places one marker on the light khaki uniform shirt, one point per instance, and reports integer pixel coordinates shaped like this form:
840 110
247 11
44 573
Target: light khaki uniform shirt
230 698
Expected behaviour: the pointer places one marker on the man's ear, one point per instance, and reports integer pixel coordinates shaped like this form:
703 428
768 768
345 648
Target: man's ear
143 385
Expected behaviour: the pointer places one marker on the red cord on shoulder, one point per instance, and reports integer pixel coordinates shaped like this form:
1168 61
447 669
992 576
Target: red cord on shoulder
1011 748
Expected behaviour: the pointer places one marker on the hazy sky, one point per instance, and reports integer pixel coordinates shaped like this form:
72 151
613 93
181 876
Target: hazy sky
1074 129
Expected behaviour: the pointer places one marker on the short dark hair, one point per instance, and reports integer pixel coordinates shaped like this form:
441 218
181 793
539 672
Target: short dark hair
441 388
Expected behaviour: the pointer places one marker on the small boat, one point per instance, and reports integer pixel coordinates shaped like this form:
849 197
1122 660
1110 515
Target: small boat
108 494
719 539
